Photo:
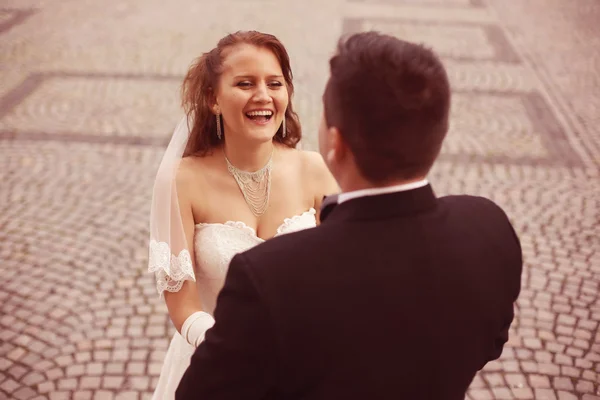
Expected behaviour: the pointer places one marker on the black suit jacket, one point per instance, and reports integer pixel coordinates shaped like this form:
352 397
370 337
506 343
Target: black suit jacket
396 296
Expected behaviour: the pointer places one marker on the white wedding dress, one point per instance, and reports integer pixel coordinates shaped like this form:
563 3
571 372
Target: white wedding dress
214 247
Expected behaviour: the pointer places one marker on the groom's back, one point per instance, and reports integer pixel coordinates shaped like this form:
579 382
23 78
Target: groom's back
398 295
384 301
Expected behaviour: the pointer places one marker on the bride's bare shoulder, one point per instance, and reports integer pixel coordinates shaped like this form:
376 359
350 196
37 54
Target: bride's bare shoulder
193 171
303 158
315 171
312 163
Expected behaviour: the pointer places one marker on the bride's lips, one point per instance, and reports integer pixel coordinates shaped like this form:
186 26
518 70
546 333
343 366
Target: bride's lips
260 117
263 121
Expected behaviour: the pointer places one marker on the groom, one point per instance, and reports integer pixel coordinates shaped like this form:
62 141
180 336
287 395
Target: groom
398 294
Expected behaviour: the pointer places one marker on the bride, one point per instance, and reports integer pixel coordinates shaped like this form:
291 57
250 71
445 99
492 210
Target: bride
230 179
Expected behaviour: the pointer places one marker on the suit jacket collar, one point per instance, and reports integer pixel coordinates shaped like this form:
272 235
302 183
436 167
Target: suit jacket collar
405 203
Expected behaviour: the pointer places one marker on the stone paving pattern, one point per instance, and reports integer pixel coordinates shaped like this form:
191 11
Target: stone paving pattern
88 99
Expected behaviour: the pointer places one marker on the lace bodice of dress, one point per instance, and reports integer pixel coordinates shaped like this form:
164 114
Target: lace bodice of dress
216 244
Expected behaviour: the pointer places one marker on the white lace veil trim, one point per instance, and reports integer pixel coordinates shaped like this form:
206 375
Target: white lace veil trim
169 257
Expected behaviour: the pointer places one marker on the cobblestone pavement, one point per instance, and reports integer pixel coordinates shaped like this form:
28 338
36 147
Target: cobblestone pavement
88 99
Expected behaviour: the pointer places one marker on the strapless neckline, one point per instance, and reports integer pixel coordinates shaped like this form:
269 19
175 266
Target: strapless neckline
240 225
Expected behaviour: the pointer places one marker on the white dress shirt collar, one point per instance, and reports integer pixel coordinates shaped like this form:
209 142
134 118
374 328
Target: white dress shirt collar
382 190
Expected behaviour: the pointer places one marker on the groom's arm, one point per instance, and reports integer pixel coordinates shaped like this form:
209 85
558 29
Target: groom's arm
514 269
236 360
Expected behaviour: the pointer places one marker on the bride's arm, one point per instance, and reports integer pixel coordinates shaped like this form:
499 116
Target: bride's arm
239 359
185 307
321 181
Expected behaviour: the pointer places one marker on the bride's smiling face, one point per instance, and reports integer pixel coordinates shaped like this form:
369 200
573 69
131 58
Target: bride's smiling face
251 95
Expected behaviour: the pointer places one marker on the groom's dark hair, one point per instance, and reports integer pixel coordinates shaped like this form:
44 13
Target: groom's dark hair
390 100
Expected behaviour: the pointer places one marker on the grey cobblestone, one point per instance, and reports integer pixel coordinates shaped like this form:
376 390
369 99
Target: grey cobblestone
46 387
83 395
566 396
545 394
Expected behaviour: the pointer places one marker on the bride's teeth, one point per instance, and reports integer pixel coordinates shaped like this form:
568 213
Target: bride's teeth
260 113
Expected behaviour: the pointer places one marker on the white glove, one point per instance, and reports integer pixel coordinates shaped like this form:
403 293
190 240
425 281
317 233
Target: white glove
195 326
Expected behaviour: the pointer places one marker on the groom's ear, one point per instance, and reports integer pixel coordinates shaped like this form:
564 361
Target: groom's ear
337 146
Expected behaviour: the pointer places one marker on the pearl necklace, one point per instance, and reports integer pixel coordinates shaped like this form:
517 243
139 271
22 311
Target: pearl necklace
255 186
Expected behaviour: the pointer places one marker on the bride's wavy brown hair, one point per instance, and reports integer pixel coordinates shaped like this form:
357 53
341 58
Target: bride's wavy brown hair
202 79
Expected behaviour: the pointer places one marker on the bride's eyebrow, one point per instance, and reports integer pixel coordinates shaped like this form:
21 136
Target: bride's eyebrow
253 77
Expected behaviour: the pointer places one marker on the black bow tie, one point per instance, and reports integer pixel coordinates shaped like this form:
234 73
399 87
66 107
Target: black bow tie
328 204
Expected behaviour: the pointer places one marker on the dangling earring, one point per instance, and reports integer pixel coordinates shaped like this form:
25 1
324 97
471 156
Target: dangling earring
219 132
283 130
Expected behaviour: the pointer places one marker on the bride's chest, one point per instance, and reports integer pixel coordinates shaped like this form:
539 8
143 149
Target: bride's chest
215 244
